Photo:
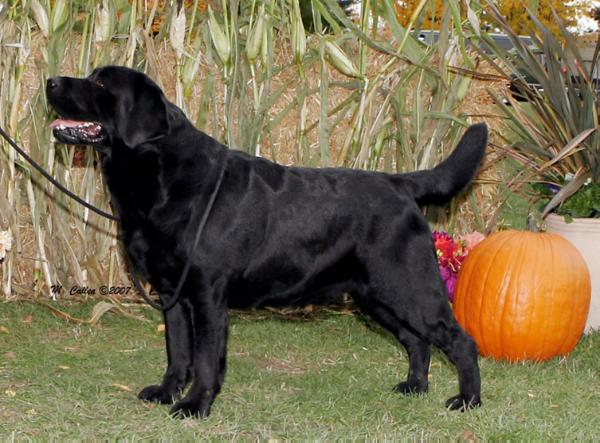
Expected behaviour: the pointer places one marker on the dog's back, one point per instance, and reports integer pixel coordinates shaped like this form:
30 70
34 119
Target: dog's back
292 236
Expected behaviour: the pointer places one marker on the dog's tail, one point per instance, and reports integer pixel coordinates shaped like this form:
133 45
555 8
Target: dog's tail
446 180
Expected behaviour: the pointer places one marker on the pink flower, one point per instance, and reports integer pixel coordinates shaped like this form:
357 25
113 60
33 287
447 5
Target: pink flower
451 286
449 278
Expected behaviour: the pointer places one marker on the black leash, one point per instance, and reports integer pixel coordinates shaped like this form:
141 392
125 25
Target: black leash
161 307
52 180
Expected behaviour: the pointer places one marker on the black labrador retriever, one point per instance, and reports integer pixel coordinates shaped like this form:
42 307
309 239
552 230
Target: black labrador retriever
275 236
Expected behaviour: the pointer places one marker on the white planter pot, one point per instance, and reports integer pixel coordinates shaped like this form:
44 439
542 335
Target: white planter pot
584 233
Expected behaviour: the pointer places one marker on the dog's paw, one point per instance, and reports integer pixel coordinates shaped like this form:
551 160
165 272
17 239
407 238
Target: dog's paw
185 409
410 388
459 403
157 394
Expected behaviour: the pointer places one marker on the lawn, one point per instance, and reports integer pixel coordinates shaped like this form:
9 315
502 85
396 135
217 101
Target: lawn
323 376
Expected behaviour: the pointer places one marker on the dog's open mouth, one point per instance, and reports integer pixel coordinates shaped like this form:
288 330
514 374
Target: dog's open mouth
76 132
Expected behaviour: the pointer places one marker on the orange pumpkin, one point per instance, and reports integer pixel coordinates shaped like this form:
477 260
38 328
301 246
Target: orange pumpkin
523 295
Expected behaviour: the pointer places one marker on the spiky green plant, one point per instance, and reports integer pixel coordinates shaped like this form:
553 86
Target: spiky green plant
551 129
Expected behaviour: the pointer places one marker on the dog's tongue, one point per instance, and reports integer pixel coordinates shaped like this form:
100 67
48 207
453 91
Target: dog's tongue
66 123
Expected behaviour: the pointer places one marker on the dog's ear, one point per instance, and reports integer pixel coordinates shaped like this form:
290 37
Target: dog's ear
143 116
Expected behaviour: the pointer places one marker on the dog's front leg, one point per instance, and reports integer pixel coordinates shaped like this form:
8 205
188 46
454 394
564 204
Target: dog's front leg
178 336
211 320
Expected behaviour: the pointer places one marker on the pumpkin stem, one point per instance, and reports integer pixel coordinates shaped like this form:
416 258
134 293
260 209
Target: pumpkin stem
532 226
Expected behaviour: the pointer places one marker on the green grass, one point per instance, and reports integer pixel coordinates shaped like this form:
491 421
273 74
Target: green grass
329 376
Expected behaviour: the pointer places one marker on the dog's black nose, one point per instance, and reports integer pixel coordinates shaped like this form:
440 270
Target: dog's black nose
52 83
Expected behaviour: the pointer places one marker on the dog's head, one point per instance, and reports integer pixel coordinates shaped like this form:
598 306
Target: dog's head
112 104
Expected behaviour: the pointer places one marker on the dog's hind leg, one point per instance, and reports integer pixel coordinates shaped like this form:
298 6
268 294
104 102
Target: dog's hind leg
415 303
211 321
419 355
433 323
178 331
430 317
418 350
462 352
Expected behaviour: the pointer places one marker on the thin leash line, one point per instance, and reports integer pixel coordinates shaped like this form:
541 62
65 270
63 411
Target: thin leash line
52 180
136 282
168 305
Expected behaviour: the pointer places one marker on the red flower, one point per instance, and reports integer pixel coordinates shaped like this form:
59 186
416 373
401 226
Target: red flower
450 254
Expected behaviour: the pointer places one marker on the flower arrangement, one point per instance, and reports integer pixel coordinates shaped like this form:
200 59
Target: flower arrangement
450 253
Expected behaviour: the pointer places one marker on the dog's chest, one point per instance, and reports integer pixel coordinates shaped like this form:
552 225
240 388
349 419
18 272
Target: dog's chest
133 182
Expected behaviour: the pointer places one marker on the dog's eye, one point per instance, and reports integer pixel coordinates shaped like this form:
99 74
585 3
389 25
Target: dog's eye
99 83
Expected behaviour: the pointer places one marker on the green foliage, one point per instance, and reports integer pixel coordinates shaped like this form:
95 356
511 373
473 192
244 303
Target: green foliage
585 203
